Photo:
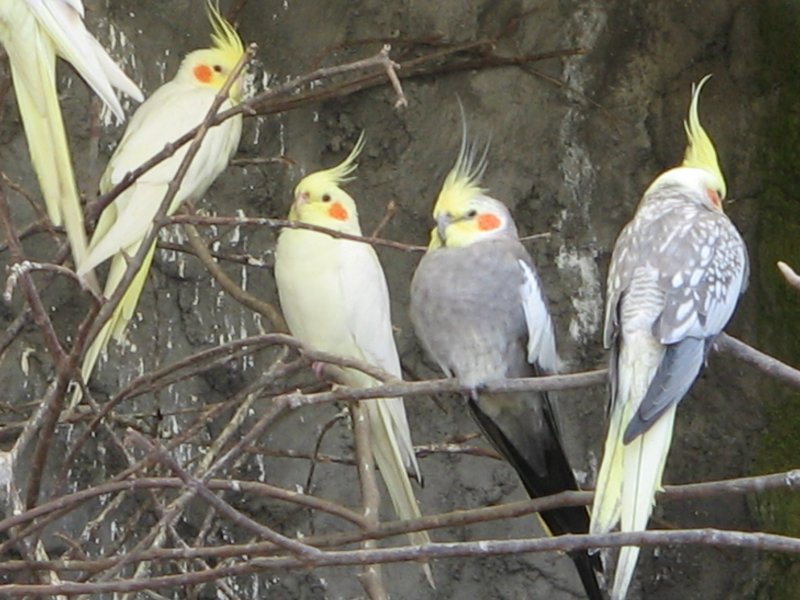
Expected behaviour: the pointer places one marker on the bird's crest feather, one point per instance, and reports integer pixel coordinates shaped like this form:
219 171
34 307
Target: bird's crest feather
463 180
339 174
224 36
700 152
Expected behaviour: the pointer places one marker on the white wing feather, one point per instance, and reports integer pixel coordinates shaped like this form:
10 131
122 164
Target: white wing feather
368 313
169 113
541 337
63 22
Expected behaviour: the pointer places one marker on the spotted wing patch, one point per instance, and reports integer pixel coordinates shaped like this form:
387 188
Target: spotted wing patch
702 293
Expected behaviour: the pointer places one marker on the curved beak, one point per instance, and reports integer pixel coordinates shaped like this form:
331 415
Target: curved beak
443 221
301 199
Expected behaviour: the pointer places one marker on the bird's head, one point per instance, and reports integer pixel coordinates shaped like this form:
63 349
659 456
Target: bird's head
700 168
319 199
476 219
211 67
463 212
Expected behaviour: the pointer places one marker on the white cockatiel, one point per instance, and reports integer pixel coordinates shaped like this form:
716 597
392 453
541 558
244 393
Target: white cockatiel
676 274
335 299
33 32
174 109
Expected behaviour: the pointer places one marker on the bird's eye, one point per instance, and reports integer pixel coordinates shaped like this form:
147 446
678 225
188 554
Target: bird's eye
218 68
326 197
472 214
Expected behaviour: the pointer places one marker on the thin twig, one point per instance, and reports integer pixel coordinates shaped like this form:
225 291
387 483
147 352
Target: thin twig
265 309
208 221
763 362
764 542
303 551
370 576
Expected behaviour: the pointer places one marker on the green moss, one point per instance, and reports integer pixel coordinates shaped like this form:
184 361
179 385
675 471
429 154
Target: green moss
778 238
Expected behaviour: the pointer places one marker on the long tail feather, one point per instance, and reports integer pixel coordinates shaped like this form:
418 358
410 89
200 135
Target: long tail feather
553 476
607 504
645 458
118 322
630 473
47 140
73 41
392 465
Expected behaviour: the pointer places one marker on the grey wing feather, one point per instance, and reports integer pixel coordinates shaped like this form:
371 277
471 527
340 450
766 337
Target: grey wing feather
676 373
703 283
619 276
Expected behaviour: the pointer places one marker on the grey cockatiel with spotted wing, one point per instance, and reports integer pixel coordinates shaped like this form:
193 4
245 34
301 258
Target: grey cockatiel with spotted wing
478 310
677 272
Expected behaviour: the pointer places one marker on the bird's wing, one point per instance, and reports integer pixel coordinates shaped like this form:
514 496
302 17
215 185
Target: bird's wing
702 275
366 296
127 224
620 273
541 338
368 312
173 110
32 61
169 113
63 22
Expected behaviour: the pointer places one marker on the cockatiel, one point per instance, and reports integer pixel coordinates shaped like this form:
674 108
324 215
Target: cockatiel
174 109
334 296
479 312
33 32
676 274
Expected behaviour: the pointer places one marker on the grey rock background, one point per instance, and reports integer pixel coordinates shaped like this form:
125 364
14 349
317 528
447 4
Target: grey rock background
575 141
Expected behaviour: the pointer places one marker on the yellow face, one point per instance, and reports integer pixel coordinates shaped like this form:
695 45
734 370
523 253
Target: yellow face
477 219
321 202
212 67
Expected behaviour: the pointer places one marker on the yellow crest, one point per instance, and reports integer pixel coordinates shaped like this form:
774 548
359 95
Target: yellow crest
463 180
700 152
337 175
224 36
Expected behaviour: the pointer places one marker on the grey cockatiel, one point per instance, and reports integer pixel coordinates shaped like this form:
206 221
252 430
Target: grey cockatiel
676 275
478 310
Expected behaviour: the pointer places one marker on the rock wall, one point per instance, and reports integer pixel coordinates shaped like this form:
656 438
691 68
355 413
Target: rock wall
574 141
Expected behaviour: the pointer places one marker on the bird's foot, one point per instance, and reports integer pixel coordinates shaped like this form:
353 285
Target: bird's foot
319 368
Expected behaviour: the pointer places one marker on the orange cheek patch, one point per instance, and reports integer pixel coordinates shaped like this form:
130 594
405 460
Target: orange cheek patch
338 212
487 222
714 197
203 73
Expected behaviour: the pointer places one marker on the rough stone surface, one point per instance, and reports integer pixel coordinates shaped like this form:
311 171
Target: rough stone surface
575 141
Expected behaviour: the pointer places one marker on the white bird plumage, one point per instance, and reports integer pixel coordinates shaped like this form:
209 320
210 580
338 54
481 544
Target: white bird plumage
33 32
334 296
174 109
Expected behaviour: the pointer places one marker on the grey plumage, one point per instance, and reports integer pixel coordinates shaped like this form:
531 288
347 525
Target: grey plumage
678 268
478 310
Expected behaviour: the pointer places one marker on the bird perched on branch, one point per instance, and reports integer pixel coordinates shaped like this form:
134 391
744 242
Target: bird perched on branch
174 109
478 309
676 274
334 296
33 32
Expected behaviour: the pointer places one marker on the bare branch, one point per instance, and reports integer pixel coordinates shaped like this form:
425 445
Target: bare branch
307 553
791 277
763 362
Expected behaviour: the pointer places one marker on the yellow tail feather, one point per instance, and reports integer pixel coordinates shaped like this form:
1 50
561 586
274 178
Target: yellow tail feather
49 148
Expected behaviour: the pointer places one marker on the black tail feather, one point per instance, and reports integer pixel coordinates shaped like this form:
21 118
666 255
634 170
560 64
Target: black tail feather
552 477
